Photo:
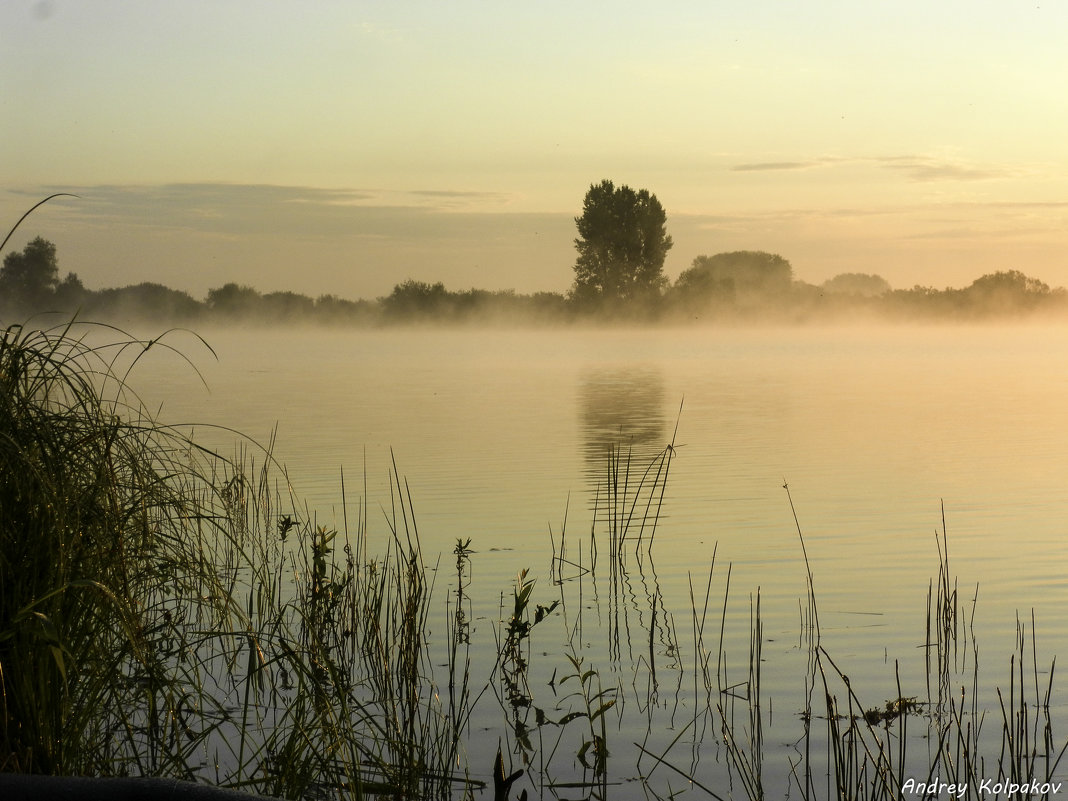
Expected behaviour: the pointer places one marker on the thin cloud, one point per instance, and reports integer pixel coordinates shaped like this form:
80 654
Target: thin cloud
915 168
218 208
928 170
791 166
255 212
776 166
780 217
457 193
453 199
974 233
227 210
1009 204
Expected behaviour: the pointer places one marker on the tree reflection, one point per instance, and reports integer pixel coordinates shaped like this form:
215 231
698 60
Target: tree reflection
622 408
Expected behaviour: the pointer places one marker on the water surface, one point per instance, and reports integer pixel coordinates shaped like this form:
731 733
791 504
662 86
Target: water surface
503 436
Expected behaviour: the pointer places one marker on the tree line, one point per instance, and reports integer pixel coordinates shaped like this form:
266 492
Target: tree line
621 247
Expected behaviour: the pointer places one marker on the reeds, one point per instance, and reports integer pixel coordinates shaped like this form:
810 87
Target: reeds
166 611
91 552
872 752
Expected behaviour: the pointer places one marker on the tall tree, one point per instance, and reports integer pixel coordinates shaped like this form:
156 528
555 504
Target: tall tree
621 245
29 279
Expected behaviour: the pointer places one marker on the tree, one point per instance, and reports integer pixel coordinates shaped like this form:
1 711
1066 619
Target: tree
417 298
1005 292
235 301
740 280
862 284
287 306
741 272
70 293
147 300
621 245
29 279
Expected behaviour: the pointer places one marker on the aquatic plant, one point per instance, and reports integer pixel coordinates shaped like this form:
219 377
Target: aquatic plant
164 610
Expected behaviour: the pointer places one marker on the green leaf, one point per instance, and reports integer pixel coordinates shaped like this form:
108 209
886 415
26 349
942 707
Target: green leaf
603 708
57 656
570 716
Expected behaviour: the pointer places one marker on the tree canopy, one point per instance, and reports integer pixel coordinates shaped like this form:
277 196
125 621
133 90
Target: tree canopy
742 279
741 272
864 285
621 245
30 278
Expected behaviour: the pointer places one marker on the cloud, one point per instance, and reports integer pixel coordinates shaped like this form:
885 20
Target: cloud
776 166
459 199
916 168
924 169
780 218
1027 205
228 210
454 193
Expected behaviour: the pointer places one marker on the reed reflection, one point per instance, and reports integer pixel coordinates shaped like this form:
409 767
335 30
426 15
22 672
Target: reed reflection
607 572
613 606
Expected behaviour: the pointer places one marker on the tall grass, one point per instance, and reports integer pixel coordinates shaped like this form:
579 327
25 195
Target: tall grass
911 746
93 555
167 611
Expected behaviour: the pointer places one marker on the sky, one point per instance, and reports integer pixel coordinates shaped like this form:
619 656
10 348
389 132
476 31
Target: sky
344 147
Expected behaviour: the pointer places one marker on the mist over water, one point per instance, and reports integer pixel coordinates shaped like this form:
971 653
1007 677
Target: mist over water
504 435
872 428
873 400
622 408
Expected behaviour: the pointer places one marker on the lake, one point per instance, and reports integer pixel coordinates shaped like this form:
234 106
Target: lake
503 437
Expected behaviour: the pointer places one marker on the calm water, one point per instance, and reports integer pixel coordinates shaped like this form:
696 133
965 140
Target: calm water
501 433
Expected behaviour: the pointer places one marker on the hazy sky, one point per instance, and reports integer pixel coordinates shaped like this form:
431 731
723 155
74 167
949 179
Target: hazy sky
346 146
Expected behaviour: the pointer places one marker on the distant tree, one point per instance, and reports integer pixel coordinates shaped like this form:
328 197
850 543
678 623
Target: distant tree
1007 291
701 283
622 244
29 279
333 309
548 303
71 293
746 270
413 298
234 300
147 300
862 284
474 301
740 276
1011 281
287 306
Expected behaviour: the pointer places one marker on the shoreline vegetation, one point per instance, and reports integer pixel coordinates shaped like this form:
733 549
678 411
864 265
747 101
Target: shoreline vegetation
168 612
738 288
619 279
846 298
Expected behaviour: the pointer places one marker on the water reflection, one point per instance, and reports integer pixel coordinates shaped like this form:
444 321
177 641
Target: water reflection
621 408
618 622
